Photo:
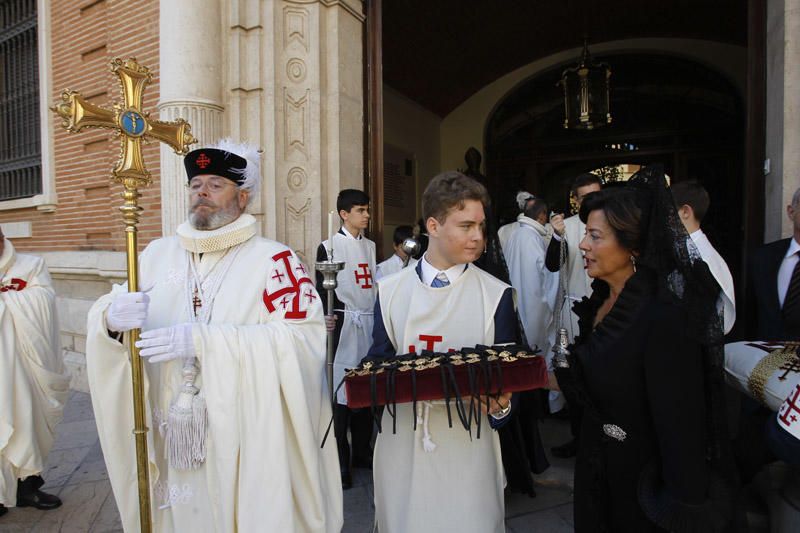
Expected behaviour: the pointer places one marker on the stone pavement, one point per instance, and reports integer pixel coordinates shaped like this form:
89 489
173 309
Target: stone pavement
76 472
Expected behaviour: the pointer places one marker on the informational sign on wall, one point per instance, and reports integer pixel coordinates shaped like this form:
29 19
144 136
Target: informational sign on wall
399 186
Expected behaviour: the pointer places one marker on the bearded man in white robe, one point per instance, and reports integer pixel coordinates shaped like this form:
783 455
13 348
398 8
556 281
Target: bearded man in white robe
33 381
234 339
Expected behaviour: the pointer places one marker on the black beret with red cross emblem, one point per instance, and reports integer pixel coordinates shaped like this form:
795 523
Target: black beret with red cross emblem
215 162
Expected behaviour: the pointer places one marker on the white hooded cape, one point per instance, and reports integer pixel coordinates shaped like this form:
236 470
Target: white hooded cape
33 381
263 378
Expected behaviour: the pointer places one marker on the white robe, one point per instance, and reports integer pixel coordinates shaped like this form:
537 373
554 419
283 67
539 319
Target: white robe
263 377
536 289
391 266
33 381
535 286
578 283
459 485
357 290
719 269
505 232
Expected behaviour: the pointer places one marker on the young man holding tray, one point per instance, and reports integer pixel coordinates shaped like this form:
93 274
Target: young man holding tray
439 478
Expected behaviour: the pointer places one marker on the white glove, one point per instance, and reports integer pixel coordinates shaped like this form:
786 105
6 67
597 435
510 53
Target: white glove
128 311
165 344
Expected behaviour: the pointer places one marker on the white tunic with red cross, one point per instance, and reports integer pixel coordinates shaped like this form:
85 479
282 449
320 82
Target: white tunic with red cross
459 485
357 290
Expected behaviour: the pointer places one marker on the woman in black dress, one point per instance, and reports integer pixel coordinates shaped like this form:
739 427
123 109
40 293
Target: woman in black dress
653 453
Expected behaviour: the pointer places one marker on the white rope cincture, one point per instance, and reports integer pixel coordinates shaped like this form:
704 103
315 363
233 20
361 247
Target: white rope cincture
423 415
187 420
356 315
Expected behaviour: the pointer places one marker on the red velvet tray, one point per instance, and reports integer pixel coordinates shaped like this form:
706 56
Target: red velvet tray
520 371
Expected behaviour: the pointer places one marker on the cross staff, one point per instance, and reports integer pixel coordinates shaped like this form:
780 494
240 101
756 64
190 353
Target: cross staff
133 126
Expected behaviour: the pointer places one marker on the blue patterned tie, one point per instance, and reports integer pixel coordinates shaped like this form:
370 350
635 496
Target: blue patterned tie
440 280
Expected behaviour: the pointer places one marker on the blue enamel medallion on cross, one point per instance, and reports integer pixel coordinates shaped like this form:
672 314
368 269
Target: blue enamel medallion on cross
132 123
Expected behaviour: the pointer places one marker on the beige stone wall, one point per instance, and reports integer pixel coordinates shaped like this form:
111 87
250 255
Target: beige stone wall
783 115
411 128
79 278
294 86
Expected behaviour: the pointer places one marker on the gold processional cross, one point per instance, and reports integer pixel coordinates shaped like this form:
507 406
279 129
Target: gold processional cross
133 126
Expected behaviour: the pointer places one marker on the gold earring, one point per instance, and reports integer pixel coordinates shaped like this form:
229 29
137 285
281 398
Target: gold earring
633 260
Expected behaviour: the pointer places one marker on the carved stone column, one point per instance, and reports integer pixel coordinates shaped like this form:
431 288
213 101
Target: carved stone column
191 70
783 114
295 87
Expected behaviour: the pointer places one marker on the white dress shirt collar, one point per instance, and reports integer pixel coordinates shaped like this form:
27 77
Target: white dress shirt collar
429 271
794 247
346 233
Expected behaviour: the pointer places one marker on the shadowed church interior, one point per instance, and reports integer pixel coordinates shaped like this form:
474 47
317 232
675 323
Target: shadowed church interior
486 75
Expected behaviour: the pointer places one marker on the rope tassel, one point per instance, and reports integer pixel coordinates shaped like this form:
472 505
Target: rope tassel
187 423
423 414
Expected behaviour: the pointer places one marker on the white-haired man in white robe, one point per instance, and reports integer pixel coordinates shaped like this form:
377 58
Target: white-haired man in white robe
33 381
535 285
507 230
236 399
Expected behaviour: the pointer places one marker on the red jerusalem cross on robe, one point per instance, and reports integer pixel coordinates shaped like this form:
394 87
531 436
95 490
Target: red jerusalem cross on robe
290 296
365 276
790 411
15 284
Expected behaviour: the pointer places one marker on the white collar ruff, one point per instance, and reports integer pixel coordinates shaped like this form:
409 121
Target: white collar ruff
228 236
7 257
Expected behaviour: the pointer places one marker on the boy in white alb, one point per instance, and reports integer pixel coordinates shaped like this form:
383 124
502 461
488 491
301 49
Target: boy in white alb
352 324
439 478
396 263
692 201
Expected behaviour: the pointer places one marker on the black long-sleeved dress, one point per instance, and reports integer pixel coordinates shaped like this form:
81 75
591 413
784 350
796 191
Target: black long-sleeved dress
638 372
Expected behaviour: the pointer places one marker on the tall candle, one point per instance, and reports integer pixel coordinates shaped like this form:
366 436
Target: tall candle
332 231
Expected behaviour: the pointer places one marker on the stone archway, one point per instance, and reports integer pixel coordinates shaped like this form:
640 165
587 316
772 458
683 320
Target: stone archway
666 109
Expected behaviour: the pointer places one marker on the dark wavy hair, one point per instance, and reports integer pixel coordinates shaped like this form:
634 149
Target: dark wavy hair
625 211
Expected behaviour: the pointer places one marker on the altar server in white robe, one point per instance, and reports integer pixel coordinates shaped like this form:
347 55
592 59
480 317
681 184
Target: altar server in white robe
692 201
33 381
397 261
439 478
535 285
352 325
234 342
576 283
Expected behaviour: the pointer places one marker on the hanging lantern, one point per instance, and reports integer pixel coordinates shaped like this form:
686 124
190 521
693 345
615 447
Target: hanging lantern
586 100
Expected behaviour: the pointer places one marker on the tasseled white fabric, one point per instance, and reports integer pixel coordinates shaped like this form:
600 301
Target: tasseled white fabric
187 420
423 414
186 424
